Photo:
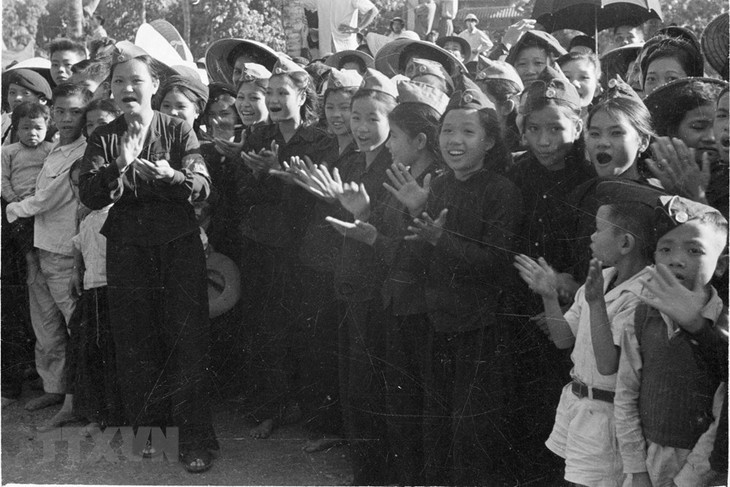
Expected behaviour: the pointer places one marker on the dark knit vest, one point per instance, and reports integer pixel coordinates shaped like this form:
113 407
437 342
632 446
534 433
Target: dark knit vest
676 395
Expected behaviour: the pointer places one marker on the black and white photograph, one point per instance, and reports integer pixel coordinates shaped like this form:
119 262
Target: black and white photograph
365 242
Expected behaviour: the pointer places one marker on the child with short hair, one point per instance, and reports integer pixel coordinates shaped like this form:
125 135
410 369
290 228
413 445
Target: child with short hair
22 161
583 433
549 119
54 208
24 85
64 53
664 392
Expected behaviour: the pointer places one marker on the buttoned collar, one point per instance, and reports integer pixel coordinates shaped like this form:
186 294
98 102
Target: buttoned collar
68 149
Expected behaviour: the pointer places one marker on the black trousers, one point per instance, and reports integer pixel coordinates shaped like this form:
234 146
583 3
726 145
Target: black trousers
408 358
466 428
362 390
158 310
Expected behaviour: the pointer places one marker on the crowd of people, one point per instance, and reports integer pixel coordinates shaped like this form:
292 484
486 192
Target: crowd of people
478 263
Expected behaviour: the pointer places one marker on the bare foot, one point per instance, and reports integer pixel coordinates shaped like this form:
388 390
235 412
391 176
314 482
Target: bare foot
263 430
321 444
47 399
61 418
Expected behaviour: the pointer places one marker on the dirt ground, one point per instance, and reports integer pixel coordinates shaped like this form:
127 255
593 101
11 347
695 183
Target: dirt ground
278 460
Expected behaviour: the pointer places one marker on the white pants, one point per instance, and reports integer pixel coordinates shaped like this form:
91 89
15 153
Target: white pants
51 306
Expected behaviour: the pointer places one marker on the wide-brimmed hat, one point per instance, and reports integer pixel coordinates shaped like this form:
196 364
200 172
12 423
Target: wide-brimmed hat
224 284
464 45
539 38
471 17
715 44
335 60
617 62
392 58
219 57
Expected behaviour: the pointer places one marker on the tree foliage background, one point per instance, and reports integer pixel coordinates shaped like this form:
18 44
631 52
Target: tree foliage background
253 19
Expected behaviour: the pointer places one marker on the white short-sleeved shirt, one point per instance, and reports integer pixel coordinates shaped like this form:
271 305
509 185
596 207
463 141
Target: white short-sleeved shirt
332 13
621 303
92 245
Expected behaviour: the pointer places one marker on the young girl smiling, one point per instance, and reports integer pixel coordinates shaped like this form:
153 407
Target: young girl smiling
468 227
273 216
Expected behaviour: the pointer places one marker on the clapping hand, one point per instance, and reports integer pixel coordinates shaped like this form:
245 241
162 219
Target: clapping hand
406 189
360 231
594 282
539 276
428 229
131 144
263 161
154 171
311 177
230 149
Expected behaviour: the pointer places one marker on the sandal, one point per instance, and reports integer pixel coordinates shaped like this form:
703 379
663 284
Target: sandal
196 461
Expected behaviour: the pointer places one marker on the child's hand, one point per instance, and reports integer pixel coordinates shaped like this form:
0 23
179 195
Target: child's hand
75 284
360 231
669 296
154 171
676 168
539 276
264 161
131 144
566 286
594 282
428 229
307 176
355 199
228 148
541 321
406 189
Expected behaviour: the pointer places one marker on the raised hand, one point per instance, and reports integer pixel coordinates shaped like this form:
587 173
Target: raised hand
675 166
428 229
594 282
131 144
538 275
671 297
406 189
515 31
355 199
361 231
567 286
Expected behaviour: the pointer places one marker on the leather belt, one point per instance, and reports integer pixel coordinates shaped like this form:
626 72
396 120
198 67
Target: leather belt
582 390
